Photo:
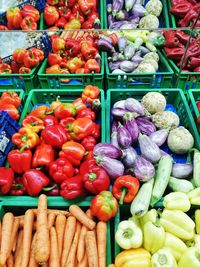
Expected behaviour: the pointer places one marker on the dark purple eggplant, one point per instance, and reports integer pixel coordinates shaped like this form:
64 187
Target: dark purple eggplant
129 52
129 156
118 113
181 170
134 105
127 66
109 8
144 50
119 104
105 46
137 59
122 15
145 126
123 136
122 42
108 150
113 167
129 4
114 65
138 10
143 169
131 126
117 6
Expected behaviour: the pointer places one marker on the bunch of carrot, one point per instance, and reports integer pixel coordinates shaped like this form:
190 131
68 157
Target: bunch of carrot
52 238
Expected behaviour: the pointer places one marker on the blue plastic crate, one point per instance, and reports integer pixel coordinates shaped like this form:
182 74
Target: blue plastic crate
8 127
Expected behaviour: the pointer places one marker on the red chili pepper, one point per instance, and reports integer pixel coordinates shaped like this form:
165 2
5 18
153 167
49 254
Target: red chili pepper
170 39
174 53
10 97
188 19
60 170
43 156
54 135
193 51
193 63
17 188
73 187
6 180
89 143
50 120
30 11
73 151
181 9
20 160
61 22
182 37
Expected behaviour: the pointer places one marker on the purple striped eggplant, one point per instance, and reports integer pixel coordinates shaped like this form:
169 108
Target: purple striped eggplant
108 150
143 169
131 126
159 137
134 105
145 126
129 156
181 170
123 136
118 113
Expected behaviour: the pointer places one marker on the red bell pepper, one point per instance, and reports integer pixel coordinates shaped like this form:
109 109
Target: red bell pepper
73 47
74 63
88 165
51 15
125 188
24 70
58 45
20 160
6 180
81 128
33 123
90 93
89 143
87 5
87 50
65 110
15 67
54 135
10 97
61 22
17 188
79 105
19 55
52 2
171 39
104 206
5 68
3 28
28 23
34 181
54 59
96 132
96 180
55 103
73 187
56 69
60 170
25 137
31 60
73 151
82 71
10 109
71 3
66 122
37 52
92 65
41 111
87 113
14 18
30 11
50 120
43 156
64 12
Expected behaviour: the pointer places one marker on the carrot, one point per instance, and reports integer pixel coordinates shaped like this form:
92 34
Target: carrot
57 212
81 244
68 238
51 219
7 225
101 242
84 262
28 228
72 253
0 231
82 217
21 221
111 265
42 246
60 230
14 234
10 261
19 241
32 262
19 252
54 256
91 248
89 213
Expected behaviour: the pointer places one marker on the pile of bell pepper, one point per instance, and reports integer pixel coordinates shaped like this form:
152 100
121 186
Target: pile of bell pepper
162 238
175 48
186 12
22 19
10 102
72 15
54 151
24 60
73 56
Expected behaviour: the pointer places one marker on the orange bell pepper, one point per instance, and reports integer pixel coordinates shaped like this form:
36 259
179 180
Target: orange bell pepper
25 137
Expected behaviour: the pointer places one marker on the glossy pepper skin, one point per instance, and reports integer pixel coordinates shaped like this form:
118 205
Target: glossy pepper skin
6 179
30 11
87 165
41 111
50 120
43 156
5 68
33 123
194 196
88 50
51 15
79 104
24 70
81 128
17 188
73 47
25 137
86 113
20 161
34 181
54 135
92 65
10 109
73 151
190 258
197 221
73 187
19 54
86 6
14 18
89 143
90 93
138 257
125 188
61 169
54 59
104 206
65 110
96 180
58 46
37 52
74 64
150 216
28 23
177 201
74 24
31 60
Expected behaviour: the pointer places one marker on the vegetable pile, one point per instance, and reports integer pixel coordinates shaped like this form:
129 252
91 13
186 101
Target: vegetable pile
186 12
175 48
74 55
23 61
10 102
52 237
72 15
22 19
130 14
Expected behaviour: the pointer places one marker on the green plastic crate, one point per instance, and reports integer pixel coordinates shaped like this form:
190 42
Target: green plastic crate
173 96
20 81
40 96
70 81
194 97
19 205
164 19
172 20
160 79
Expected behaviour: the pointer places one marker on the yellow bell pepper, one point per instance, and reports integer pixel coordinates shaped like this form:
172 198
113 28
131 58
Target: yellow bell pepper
154 237
197 221
135 220
133 35
163 258
191 258
194 196
178 223
175 245
138 257
150 216
194 243
177 201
